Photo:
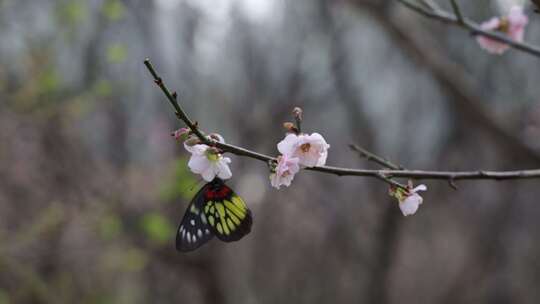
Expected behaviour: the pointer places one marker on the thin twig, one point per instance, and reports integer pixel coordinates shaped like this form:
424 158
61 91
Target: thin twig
457 11
392 182
298 124
429 4
411 174
375 158
471 26
369 156
172 99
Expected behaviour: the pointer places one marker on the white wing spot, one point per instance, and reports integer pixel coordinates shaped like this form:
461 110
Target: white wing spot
183 233
203 218
199 233
192 222
194 238
181 228
188 236
206 231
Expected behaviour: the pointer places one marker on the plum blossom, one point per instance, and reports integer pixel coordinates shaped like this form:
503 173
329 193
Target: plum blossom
208 162
284 172
311 150
512 25
409 200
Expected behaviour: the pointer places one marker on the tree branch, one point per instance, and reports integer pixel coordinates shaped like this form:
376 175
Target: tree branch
172 99
379 174
469 25
375 158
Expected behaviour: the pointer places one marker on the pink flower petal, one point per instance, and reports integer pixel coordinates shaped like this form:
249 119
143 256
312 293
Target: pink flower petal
287 145
285 170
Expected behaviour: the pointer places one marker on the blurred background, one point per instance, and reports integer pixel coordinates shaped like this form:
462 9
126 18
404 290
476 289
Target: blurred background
92 185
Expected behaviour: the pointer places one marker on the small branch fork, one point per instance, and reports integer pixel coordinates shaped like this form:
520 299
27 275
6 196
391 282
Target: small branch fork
430 10
389 172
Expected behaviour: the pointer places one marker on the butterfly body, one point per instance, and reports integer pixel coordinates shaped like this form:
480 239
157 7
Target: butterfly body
214 210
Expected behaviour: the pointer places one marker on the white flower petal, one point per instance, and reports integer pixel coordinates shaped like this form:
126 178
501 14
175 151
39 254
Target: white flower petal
292 164
308 160
209 168
322 159
223 170
198 149
285 170
198 164
288 144
209 174
410 205
314 137
274 180
421 187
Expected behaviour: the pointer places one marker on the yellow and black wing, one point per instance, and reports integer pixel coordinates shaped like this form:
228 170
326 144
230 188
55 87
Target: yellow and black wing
215 210
194 230
227 214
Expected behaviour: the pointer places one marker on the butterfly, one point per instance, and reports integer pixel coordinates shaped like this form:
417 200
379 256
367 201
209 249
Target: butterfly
214 210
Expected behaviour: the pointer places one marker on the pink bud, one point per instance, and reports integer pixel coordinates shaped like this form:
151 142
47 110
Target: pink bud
181 134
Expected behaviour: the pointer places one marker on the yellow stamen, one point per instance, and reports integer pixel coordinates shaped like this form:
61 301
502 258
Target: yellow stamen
504 25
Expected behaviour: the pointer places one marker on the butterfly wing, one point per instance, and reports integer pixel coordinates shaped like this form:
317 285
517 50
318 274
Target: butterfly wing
226 212
194 230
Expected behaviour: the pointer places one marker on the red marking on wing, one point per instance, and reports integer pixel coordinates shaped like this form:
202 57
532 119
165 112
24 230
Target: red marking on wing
218 194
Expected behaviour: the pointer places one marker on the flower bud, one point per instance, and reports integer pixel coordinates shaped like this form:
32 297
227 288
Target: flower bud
289 126
297 113
217 137
181 134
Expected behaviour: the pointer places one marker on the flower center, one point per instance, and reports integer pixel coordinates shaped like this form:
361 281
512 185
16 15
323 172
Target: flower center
305 147
213 157
504 25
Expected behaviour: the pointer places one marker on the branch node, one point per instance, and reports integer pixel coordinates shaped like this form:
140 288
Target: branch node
452 183
369 156
457 11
